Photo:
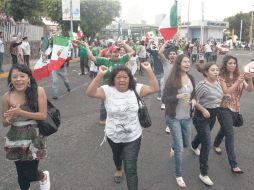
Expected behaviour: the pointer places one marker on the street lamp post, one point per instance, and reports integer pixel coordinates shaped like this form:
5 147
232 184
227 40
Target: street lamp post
188 21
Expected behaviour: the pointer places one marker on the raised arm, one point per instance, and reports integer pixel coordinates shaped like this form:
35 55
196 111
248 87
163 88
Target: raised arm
128 49
162 49
94 90
248 84
89 53
153 82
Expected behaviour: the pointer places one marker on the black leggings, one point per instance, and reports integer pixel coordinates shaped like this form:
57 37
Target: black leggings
128 153
27 172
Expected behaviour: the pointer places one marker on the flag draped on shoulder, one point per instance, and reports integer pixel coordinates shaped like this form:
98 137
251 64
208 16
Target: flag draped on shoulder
168 27
59 54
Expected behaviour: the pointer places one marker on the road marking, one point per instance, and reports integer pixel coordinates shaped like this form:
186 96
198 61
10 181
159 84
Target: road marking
4 75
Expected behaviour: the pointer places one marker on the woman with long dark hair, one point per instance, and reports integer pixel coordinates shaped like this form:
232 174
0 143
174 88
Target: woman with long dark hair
233 83
23 104
179 98
123 129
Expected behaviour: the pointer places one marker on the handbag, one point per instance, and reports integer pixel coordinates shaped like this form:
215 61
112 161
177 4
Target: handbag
51 124
238 122
143 114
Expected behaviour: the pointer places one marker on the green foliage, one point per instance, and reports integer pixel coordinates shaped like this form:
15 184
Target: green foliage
235 23
26 9
95 14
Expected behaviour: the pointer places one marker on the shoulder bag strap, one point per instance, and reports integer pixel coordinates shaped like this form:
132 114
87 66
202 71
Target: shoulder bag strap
138 97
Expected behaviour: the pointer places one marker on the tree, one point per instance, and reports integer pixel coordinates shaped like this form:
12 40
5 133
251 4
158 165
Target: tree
235 22
26 9
95 15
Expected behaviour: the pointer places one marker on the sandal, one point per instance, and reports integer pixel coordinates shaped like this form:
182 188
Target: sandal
217 150
180 182
236 170
118 179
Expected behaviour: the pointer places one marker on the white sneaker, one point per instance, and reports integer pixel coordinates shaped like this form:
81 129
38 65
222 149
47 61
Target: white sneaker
196 151
171 153
180 182
167 130
162 106
45 185
206 179
158 98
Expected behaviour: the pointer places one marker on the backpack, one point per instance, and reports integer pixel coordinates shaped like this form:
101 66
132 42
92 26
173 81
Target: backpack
52 123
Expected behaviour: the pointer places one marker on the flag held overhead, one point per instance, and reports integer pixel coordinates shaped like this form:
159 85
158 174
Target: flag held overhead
168 27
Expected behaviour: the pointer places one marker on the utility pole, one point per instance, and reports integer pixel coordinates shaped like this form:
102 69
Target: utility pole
251 29
71 16
188 26
241 28
6 7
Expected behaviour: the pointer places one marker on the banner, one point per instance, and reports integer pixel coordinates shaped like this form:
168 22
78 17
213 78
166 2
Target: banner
66 4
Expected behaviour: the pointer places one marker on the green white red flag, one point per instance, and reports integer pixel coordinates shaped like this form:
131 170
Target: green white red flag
43 68
79 32
169 25
150 35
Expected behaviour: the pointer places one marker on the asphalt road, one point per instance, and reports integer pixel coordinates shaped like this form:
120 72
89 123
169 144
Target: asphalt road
76 161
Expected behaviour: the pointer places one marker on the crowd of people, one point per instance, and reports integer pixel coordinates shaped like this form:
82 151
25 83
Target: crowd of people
114 71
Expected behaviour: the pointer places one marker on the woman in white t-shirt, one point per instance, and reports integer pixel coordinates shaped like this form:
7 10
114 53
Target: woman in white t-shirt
123 129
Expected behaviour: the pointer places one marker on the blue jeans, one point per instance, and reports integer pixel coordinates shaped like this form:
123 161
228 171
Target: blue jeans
103 111
226 117
159 77
63 74
181 134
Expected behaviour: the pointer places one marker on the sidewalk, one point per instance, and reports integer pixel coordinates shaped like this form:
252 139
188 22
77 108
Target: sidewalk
6 67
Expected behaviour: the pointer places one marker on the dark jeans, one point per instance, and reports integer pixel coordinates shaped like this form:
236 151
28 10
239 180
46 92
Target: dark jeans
103 112
203 137
128 153
1 60
83 65
141 60
27 172
14 59
26 60
226 118
194 58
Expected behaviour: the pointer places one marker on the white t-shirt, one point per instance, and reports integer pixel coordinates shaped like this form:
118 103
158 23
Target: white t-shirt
122 123
134 65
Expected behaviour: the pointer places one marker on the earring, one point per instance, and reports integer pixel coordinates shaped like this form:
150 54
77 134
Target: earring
10 85
29 85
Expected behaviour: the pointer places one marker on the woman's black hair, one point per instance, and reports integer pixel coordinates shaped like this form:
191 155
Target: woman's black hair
132 82
31 93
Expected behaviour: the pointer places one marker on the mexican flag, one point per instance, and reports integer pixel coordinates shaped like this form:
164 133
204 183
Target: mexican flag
150 35
79 32
59 54
168 27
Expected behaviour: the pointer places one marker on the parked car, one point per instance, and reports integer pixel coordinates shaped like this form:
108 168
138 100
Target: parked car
223 49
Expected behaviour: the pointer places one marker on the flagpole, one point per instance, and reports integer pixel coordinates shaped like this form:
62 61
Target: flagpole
71 16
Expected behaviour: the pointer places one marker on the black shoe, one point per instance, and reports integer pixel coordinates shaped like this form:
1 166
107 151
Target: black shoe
54 97
68 90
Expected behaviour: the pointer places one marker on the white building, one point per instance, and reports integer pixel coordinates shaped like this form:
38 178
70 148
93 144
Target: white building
203 30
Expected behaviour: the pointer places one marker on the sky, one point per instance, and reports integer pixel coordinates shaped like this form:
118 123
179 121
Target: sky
216 10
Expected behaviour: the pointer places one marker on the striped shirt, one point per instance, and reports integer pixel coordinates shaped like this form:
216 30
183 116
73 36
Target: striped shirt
209 95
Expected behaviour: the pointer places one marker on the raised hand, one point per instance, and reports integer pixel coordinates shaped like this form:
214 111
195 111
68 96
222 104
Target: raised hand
103 69
146 66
